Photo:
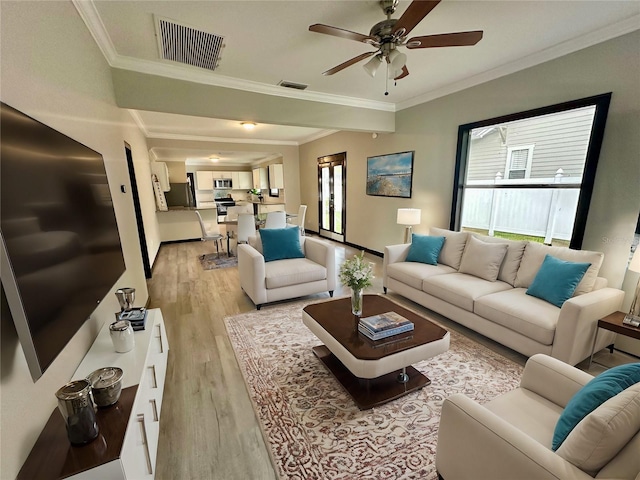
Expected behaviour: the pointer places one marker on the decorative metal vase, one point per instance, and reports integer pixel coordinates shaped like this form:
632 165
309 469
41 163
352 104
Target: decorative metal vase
356 301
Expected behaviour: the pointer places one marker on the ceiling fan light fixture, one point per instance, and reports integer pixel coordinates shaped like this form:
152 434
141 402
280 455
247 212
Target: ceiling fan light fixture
397 60
372 66
248 125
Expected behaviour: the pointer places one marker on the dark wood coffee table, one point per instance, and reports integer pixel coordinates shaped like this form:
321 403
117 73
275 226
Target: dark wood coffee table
373 372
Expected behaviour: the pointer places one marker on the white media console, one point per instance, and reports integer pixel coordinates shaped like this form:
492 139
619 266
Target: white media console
126 447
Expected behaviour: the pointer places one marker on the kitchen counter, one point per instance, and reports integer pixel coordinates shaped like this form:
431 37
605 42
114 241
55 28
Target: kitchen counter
181 223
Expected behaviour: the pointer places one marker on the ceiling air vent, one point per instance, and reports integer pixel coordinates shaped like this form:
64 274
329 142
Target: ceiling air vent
297 86
184 44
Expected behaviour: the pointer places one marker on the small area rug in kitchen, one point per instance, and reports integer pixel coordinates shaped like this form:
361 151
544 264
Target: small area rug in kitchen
212 261
314 430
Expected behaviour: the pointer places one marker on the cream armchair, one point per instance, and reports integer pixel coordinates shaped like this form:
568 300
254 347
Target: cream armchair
510 437
266 282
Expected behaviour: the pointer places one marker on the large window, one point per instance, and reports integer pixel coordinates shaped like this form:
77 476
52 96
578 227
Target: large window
530 175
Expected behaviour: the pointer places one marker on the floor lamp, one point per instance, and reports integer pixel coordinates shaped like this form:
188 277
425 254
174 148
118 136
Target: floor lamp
408 217
633 317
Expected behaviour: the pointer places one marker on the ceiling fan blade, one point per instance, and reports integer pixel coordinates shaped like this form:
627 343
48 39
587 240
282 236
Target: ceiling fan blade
342 33
348 63
459 39
413 15
404 73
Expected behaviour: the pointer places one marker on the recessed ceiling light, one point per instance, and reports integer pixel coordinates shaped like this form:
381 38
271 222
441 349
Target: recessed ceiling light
213 158
248 125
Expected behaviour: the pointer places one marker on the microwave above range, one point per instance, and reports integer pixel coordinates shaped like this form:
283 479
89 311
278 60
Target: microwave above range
222 183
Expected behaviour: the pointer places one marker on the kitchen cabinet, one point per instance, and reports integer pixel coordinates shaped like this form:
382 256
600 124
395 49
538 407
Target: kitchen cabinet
160 170
204 180
133 424
260 180
242 180
276 175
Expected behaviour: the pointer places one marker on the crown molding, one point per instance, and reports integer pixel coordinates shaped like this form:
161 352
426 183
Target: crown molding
629 25
202 138
138 120
317 136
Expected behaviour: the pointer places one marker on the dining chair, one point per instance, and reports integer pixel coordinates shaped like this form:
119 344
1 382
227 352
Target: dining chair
299 220
246 227
211 231
276 220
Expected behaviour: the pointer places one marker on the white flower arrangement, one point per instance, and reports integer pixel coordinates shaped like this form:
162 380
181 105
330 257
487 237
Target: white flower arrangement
356 273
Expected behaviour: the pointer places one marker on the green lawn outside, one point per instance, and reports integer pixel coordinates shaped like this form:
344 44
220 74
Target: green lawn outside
515 236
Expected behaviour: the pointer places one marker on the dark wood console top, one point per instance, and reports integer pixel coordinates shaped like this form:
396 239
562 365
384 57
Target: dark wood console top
336 318
53 457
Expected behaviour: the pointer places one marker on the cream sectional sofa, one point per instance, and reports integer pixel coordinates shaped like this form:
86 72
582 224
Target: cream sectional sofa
479 285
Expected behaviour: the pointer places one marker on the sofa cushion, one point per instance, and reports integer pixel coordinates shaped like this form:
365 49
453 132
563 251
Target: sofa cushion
511 262
451 253
482 259
604 432
460 289
425 249
556 280
283 273
533 257
592 395
413 274
280 244
527 315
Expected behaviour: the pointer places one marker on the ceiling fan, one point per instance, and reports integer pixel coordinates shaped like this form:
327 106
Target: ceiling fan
390 34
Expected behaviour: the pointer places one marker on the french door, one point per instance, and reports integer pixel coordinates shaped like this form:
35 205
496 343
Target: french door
332 193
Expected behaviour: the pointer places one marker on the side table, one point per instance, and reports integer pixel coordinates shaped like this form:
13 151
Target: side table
614 323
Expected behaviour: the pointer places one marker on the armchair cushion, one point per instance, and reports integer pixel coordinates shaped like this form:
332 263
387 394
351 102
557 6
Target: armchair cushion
425 249
556 280
604 432
280 244
592 395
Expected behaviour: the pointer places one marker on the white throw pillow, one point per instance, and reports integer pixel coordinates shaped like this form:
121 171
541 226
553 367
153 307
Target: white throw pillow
451 252
511 262
534 255
604 432
482 259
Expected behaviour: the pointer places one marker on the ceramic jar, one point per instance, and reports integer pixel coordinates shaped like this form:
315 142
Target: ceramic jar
122 335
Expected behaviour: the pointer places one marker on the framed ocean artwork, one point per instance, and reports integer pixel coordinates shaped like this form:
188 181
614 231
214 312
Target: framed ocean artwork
390 175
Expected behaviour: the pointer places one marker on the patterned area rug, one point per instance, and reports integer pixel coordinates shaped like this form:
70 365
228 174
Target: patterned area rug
313 428
212 261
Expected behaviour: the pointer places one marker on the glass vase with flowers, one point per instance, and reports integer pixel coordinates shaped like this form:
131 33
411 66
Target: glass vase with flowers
357 274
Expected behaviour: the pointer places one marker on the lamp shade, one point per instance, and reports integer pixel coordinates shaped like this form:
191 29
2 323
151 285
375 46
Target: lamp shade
408 216
634 265
371 67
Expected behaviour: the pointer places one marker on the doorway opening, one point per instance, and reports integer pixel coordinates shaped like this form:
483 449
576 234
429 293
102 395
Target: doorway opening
138 211
332 183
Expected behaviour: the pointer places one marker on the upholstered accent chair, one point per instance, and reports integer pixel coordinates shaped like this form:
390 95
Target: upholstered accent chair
265 279
513 435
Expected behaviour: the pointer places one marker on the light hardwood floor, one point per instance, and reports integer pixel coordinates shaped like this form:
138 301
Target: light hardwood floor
208 428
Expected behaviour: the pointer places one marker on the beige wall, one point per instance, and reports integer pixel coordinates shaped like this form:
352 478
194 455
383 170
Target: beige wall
53 71
431 130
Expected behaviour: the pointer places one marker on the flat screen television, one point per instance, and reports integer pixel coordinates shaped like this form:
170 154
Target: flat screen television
60 247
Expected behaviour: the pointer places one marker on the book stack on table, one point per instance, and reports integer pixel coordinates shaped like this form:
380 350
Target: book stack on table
384 325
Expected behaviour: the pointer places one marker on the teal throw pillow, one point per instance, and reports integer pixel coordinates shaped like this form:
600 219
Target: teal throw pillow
425 249
600 389
280 243
556 280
